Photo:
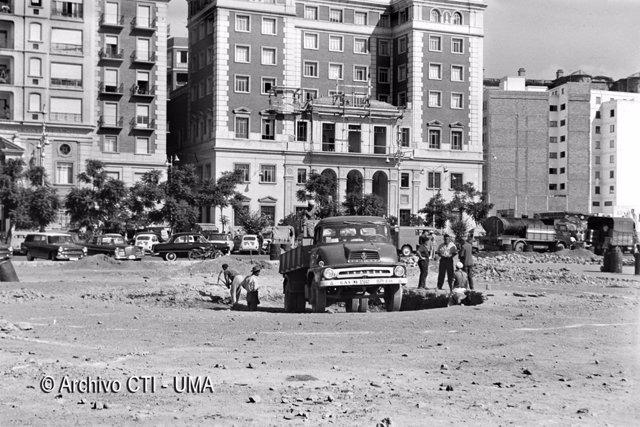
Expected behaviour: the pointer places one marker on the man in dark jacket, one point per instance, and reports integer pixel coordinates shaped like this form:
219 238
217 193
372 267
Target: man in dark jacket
425 253
466 258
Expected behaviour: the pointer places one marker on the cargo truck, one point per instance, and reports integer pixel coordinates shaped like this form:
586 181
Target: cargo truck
605 232
348 259
520 234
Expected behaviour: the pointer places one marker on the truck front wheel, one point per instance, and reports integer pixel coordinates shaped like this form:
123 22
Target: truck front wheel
393 297
351 305
319 300
406 250
519 247
559 246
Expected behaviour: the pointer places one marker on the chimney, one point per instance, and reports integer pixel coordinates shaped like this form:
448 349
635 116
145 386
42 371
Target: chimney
521 72
559 73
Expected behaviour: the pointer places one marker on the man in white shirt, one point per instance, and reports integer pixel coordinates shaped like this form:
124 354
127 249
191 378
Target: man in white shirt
446 251
251 285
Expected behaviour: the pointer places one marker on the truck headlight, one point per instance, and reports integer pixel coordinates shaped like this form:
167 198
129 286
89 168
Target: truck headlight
399 271
329 273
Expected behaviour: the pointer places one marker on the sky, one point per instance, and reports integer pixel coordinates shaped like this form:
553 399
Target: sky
599 37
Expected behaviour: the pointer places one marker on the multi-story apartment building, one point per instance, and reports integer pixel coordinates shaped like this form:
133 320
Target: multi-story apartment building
564 145
384 97
178 62
83 79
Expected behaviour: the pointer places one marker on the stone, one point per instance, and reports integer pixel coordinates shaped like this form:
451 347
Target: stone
255 399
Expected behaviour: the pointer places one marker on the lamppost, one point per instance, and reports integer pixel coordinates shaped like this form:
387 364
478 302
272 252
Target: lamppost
42 143
397 157
435 187
171 159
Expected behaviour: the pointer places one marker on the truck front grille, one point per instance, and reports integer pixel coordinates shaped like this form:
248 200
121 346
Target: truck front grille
355 272
363 256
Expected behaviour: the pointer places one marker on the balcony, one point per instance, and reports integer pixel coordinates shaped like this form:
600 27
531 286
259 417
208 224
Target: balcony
67 9
111 54
143 123
143 91
65 117
143 57
149 25
112 21
66 83
5 75
6 6
66 48
110 89
6 110
109 122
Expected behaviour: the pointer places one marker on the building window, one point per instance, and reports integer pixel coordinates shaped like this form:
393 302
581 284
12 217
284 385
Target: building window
456 140
457 18
402 73
608 203
383 75
553 108
385 21
35 67
597 129
302 176
597 145
612 143
553 139
553 187
243 23
402 44
335 15
268 56
379 140
142 145
612 113
242 127
360 73
383 97
142 116
35 103
553 155
457 73
457 101
310 40
311 12
301 130
309 94
597 189
360 45
328 137
402 99
433 180
435 71
310 69
243 54
64 173
435 43
268 212
612 174
597 160
597 175
336 43
110 144
35 32
335 72
553 171
405 137
562 186
563 154
384 48
597 114
456 180
269 26
563 170
457 45
553 124
595 203
612 128
563 107
434 138
268 83
268 128
360 18
435 99
563 138
404 180
243 168
268 174
66 75
563 122
242 84
612 159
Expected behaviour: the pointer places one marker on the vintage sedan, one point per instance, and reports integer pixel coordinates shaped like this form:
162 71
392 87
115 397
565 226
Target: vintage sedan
221 241
180 244
52 245
114 246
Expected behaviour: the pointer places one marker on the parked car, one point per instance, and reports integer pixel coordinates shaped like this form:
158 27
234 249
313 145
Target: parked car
221 241
53 246
180 244
17 238
115 246
246 243
146 241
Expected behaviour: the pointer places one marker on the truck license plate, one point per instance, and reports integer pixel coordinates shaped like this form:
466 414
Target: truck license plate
132 257
73 259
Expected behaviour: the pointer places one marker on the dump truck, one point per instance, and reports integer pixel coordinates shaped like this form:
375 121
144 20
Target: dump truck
348 259
520 234
608 232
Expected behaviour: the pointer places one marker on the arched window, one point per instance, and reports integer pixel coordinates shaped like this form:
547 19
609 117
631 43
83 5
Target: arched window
35 32
435 15
35 102
457 18
35 67
446 18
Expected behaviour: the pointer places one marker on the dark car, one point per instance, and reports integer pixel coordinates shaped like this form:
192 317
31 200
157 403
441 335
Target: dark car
180 244
221 241
114 246
53 246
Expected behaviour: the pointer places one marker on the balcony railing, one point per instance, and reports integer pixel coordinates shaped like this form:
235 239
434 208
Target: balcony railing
112 20
65 117
109 122
68 83
110 89
143 24
144 91
143 123
143 57
111 54
71 49
67 9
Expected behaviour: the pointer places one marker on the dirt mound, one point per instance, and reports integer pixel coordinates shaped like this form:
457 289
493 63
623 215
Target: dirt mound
20 295
241 265
420 299
104 261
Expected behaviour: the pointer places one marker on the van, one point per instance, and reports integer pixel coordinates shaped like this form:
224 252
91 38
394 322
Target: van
407 238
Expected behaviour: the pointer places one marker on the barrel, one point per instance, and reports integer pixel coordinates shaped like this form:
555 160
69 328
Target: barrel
616 260
274 251
7 272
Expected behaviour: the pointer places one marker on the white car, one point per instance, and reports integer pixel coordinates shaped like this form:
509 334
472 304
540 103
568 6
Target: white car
146 241
246 243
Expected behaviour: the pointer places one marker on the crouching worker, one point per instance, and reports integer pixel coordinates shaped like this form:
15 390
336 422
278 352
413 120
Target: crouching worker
460 285
250 284
233 281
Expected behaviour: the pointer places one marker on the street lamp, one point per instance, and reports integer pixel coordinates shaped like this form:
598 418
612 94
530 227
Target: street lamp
433 170
397 157
42 143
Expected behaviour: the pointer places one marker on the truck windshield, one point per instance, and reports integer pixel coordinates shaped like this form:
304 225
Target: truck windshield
355 233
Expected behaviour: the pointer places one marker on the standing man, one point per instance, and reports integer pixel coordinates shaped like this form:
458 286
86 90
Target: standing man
250 284
232 280
466 257
425 253
446 251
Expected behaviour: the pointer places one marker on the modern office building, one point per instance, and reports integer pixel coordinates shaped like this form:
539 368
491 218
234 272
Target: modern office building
81 80
568 144
384 97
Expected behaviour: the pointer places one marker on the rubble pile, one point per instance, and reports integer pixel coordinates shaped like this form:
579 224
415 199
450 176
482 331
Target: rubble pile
420 299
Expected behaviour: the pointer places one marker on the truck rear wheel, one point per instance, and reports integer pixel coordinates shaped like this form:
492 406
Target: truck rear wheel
559 246
319 300
518 246
393 297
352 305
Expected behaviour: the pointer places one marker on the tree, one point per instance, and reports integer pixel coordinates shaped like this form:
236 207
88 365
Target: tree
220 192
145 196
436 211
416 220
253 222
321 188
368 204
180 209
295 220
43 205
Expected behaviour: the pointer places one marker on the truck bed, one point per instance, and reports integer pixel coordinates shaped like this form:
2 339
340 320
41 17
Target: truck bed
295 259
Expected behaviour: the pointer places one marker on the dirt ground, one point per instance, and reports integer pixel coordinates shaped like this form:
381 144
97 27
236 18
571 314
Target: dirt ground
97 342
